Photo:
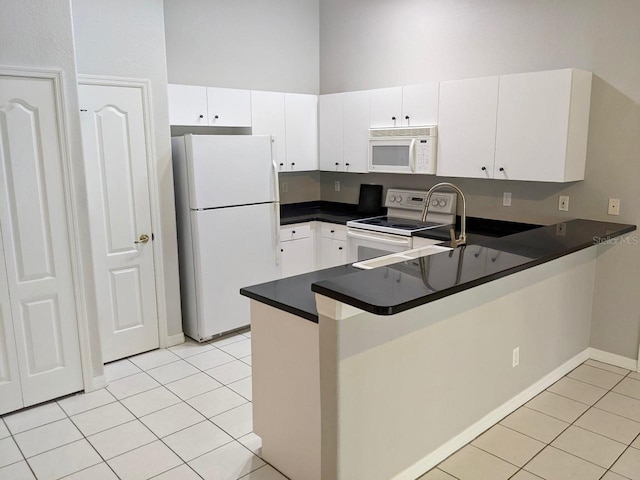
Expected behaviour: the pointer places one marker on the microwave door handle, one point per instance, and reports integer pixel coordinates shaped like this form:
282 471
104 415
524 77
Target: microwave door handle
412 155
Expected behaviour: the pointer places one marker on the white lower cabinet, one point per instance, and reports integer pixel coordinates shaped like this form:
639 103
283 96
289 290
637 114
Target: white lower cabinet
39 347
331 253
297 254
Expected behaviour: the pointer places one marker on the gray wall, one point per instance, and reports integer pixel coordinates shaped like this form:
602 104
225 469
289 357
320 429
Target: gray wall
40 34
378 43
126 38
252 44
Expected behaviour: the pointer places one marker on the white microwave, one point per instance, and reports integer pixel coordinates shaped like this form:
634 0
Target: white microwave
403 150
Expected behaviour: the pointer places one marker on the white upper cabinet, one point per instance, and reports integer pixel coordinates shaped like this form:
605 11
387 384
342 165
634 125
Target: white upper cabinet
229 107
187 105
386 107
267 118
420 104
409 106
542 127
208 106
301 119
467 127
331 128
355 143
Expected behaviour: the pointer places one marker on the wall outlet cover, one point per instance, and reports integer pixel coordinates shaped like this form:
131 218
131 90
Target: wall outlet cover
506 199
336 185
563 203
285 187
614 206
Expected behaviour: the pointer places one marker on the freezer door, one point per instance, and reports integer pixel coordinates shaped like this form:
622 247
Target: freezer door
233 247
227 170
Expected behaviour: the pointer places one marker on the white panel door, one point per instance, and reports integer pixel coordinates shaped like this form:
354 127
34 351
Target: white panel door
234 247
330 123
115 154
187 105
267 118
33 216
10 389
467 128
301 114
226 170
229 107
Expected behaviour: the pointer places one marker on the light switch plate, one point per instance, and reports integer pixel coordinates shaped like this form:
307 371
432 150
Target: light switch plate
506 199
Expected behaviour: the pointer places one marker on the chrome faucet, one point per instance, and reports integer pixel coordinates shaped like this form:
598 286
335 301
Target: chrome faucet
463 218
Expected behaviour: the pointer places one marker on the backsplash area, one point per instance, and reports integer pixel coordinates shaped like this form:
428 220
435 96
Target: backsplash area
298 187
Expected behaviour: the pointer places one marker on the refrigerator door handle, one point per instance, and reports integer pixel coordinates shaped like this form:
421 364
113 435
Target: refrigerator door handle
277 225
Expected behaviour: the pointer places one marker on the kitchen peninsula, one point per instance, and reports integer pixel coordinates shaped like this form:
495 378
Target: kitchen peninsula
372 377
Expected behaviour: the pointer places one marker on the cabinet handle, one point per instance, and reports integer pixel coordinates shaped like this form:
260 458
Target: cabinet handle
333 231
293 163
484 169
281 250
201 116
337 164
339 248
502 169
293 232
393 118
407 117
346 164
282 164
215 117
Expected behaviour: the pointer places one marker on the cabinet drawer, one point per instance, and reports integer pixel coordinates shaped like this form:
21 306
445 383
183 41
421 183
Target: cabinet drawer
334 231
293 232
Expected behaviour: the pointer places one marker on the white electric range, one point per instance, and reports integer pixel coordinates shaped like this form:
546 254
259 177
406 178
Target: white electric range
392 233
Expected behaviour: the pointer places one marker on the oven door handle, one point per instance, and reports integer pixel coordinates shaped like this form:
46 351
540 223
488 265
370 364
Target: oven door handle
379 238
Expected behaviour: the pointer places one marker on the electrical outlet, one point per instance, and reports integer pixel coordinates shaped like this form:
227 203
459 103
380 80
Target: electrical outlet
336 185
515 359
563 203
561 229
506 199
285 187
614 206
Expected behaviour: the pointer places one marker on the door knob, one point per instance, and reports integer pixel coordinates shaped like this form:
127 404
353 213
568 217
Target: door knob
144 238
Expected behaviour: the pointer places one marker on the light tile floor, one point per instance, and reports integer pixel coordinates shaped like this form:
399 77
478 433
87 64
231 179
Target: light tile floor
585 426
181 413
185 413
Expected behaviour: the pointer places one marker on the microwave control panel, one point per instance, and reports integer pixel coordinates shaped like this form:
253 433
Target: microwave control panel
425 152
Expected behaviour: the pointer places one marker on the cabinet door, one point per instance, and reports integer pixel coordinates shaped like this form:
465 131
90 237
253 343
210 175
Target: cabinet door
267 118
356 131
386 107
10 390
467 127
187 105
332 252
301 116
229 107
330 119
534 112
33 216
420 104
297 257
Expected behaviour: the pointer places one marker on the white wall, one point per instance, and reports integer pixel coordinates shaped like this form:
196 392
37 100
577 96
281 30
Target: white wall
378 43
126 38
252 44
40 34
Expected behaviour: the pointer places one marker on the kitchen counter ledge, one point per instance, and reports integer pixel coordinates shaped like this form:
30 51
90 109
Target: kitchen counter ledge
402 286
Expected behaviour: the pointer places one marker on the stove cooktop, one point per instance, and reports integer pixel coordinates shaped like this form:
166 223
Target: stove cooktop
396 225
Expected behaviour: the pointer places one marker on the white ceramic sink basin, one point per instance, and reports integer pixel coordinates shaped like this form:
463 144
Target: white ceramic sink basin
400 257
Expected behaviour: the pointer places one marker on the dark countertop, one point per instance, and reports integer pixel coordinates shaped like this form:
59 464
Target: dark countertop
401 286
322 211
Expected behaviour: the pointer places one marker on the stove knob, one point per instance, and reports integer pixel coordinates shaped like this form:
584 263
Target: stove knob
399 198
392 198
434 203
443 203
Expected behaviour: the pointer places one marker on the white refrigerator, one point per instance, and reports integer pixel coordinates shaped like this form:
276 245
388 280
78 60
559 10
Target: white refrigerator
228 214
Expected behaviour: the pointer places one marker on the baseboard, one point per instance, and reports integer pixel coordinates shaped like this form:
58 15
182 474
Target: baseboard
613 359
459 441
98 382
175 339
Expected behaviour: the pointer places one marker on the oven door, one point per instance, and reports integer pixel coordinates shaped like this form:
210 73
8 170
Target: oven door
392 155
365 244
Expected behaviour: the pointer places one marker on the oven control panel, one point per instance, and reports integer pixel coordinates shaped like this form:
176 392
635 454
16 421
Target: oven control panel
441 202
